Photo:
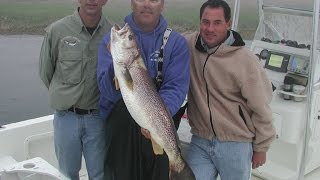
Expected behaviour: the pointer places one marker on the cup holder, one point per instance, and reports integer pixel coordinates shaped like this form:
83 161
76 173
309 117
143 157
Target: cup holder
29 165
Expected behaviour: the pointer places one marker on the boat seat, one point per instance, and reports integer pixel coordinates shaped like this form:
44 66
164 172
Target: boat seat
41 145
6 161
32 169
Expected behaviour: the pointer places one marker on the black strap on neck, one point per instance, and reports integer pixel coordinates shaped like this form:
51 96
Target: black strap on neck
161 57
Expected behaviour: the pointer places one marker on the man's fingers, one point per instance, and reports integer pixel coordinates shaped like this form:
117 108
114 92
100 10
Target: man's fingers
116 83
257 164
145 133
254 166
258 159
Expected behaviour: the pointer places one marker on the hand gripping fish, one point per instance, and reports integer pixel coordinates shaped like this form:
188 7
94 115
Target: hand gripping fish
143 101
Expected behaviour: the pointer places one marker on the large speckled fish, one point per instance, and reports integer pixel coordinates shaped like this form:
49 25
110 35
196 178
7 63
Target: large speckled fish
143 101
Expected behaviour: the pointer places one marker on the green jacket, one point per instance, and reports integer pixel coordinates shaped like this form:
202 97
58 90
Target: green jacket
68 60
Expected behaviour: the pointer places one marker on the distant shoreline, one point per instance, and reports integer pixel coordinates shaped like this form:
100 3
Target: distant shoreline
33 16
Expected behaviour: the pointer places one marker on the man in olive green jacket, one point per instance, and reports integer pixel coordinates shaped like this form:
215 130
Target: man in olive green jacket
67 67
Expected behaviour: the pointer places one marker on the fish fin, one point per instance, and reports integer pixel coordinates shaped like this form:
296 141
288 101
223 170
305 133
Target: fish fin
157 149
116 83
128 79
109 47
184 174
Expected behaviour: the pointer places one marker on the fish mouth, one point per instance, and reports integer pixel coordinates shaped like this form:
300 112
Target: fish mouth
122 30
116 27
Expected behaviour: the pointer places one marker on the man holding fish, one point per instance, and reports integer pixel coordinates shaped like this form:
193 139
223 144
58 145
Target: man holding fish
135 50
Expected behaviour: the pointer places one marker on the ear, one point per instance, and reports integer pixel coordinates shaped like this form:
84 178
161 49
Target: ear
131 5
104 2
229 24
162 5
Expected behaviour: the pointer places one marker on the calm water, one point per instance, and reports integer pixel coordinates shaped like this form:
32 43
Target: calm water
22 94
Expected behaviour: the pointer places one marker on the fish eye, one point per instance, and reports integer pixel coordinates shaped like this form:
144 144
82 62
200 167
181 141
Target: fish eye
130 37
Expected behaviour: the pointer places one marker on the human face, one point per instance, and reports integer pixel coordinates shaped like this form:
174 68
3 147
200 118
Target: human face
213 26
91 7
146 13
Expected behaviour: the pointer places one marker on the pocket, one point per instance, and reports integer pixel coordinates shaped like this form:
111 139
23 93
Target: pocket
246 121
70 63
60 113
242 115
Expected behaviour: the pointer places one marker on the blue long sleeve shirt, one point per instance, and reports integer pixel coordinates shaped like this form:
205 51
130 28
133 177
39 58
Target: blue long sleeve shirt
175 70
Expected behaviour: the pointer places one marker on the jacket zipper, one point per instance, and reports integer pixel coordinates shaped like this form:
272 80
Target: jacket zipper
207 89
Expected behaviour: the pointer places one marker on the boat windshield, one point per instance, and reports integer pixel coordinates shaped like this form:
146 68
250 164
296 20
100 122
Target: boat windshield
292 4
286 20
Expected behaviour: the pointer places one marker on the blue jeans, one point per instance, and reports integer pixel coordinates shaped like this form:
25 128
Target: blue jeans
208 158
75 135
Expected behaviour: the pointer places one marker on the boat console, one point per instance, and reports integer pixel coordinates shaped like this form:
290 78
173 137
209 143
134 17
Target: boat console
283 43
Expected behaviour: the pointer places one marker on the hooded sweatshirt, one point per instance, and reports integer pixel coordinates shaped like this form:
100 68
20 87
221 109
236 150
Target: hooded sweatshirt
229 93
175 69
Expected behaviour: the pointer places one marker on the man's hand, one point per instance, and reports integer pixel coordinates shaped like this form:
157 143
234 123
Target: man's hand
145 133
116 83
258 159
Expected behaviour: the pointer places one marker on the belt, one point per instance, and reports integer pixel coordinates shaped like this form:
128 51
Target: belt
81 111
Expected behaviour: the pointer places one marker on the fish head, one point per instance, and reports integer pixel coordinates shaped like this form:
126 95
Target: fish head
123 45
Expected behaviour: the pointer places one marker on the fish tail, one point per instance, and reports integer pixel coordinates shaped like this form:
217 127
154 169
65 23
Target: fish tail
185 174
